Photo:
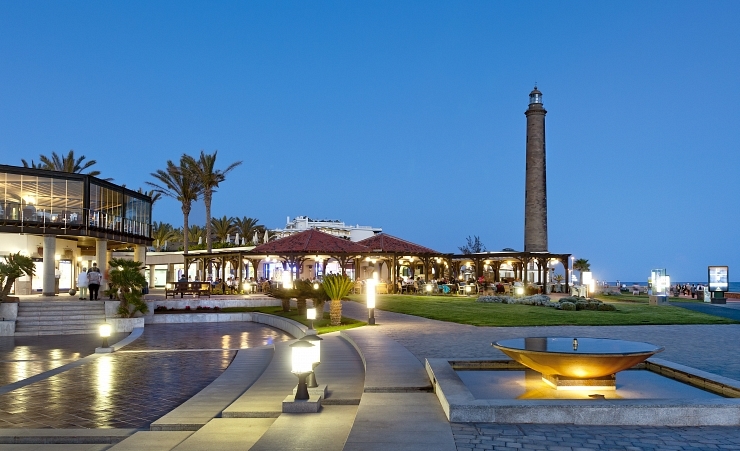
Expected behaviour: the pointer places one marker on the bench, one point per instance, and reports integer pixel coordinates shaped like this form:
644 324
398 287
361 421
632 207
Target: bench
182 288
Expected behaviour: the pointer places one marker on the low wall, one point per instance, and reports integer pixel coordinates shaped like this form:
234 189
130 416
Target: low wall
9 311
294 328
7 328
124 324
180 304
729 295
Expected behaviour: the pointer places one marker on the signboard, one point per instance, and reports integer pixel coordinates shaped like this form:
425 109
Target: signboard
718 278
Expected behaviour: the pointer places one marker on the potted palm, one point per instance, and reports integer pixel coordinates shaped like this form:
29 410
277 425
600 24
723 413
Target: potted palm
336 287
14 266
127 281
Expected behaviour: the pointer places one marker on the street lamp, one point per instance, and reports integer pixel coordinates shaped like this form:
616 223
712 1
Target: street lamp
104 334
311 314
302 364
371 301
315 340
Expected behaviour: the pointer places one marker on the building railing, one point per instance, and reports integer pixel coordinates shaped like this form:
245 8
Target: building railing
31 216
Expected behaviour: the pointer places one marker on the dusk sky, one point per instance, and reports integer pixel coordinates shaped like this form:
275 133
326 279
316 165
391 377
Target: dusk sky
404 115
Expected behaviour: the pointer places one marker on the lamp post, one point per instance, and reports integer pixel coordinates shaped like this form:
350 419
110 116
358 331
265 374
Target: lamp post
311 314
315 340
302 364
104 334
371 301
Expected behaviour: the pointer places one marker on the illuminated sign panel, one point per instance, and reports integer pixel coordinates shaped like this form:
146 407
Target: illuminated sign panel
718 278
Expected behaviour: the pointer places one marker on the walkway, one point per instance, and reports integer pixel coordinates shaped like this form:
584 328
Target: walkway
687 345
730 310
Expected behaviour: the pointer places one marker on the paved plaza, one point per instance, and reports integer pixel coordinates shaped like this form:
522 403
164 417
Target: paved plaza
140 387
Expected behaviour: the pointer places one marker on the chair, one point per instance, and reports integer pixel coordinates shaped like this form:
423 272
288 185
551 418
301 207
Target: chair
381 288
507 289
445 289
358 287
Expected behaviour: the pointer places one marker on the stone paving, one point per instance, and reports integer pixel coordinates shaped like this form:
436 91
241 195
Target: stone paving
711 348
135 386
23 357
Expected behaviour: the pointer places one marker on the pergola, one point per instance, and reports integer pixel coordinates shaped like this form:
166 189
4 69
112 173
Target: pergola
372 254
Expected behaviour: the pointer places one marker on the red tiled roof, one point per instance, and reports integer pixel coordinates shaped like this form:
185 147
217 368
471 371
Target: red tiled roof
310 241
382 242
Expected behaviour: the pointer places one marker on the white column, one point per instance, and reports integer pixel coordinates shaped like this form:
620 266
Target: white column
151 276
171 272
50 249
101 257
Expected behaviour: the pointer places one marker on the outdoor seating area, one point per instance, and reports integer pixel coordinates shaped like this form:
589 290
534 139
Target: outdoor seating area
182 288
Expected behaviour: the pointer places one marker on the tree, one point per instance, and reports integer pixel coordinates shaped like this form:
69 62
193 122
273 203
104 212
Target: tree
154 194
581 265
473 245
180 185
336 286
203 170
223 227
247 226
14 266
126 278
66 163
162 232
195 233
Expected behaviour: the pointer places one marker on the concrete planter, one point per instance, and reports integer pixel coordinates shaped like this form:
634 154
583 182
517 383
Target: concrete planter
7 328
125 324
9 311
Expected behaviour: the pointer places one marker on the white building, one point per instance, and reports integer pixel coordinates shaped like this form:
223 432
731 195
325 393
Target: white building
330 226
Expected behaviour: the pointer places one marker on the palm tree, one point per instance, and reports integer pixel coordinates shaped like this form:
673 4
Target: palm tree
223 227
195 232
63 164
178 184
581 265
203 169
247 226
162 232
154 194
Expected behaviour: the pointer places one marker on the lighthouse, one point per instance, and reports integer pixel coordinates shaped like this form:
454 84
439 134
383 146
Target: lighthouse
535 189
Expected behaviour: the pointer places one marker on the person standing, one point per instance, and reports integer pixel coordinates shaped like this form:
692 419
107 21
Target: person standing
93 282
82 284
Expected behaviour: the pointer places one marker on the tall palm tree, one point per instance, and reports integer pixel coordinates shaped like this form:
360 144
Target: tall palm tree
223 227
247 226
581 265
204 170
162 232
179 185
66 163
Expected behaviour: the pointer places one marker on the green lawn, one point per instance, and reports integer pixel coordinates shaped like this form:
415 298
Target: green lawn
465 310
322 326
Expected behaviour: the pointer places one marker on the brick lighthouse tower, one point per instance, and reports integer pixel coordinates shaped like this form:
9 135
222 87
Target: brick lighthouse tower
535 198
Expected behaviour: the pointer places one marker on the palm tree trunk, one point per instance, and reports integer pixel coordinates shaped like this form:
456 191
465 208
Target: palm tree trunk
335 312
207 197
185 240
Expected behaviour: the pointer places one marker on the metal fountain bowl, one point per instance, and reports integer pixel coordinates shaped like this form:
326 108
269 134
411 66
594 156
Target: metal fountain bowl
580 358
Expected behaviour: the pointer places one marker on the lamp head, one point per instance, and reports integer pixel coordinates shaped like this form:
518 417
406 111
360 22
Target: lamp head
302 357
105 330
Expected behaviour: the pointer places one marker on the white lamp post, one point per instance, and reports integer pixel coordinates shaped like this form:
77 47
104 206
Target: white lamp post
311 314
315 340
371 301
302 365
104 334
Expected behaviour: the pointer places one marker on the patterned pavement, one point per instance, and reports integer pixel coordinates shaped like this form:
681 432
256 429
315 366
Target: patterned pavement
710 348
135 386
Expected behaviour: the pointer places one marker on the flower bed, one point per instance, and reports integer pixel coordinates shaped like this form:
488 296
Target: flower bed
567 303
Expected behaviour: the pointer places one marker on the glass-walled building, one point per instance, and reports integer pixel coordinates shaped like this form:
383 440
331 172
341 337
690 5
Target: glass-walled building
66 222
40 201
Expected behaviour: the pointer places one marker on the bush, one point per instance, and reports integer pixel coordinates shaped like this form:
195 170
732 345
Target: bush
567 306
607 307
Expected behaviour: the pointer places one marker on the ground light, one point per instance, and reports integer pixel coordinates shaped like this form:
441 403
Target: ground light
315 340
302 364
371 301
311 314
104 334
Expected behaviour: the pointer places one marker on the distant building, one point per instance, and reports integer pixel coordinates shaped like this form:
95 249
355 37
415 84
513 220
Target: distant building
330 226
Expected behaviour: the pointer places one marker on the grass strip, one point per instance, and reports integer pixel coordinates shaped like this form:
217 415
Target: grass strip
464 310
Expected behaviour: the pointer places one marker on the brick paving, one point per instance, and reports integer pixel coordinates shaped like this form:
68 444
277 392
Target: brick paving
23 357
135 386
706 347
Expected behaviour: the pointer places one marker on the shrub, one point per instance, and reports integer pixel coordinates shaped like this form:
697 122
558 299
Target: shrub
607 307
567 306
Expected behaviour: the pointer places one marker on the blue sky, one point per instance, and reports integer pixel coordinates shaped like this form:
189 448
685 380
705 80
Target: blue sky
404 115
